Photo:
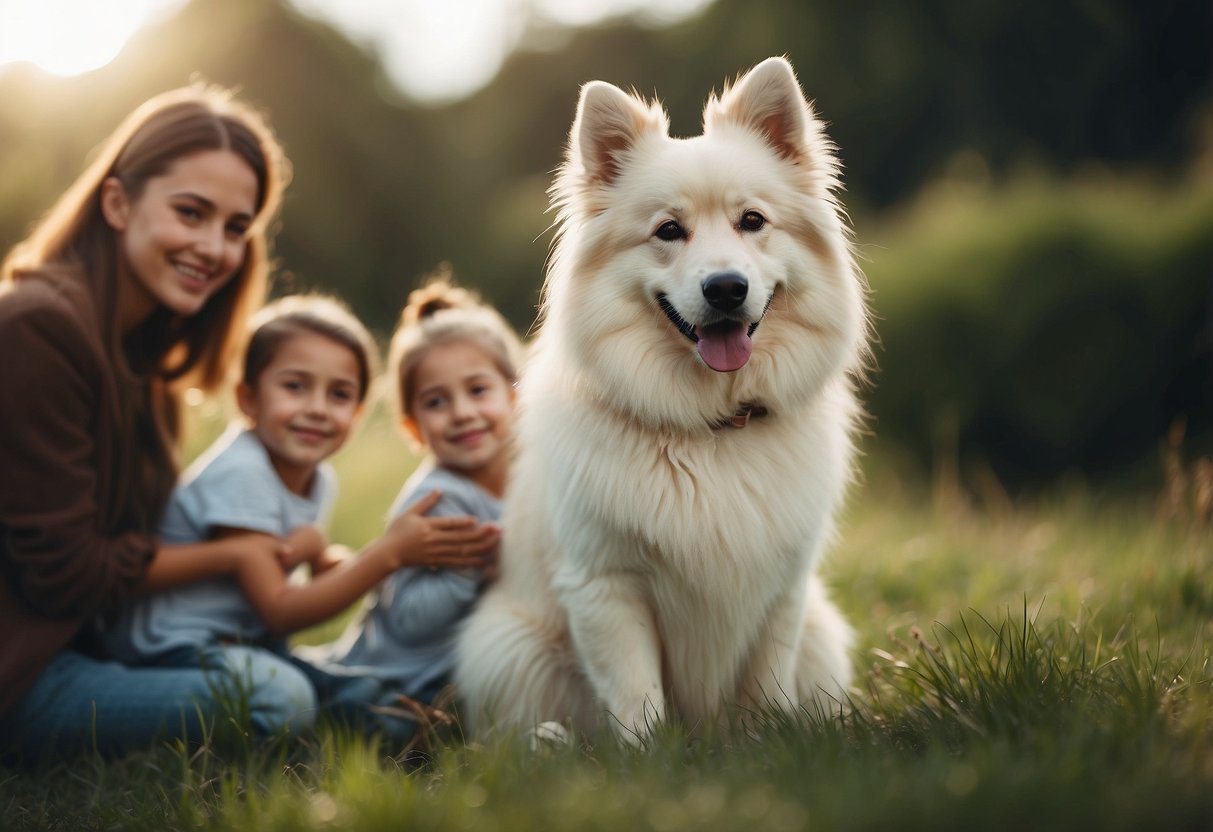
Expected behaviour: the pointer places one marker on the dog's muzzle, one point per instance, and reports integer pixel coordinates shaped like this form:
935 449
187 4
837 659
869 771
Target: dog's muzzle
723 344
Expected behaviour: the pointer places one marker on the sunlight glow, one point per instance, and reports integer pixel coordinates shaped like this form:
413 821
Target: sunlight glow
433 51
590 12
445 50
68 37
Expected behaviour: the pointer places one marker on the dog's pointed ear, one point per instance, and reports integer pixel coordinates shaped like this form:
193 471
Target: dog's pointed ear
768 100
608 124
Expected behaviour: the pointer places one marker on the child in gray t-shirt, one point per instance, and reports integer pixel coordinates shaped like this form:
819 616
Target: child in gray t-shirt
232 486
306 372
454 362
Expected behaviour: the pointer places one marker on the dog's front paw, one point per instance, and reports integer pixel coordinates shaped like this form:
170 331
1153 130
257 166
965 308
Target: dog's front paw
547 736
635 725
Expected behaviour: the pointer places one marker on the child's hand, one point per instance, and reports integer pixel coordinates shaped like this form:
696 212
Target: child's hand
333 556
305 544
440 542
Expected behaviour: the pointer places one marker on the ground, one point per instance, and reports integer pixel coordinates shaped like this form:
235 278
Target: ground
1041 663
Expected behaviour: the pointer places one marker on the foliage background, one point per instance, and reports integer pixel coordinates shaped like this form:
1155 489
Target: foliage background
1031 185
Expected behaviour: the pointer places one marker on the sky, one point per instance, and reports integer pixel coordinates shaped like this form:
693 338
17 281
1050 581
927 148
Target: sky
434 50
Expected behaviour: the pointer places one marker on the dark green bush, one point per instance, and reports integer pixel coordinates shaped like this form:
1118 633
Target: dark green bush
1043 329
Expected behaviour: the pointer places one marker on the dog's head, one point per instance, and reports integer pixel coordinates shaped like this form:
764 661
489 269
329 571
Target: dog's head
691 275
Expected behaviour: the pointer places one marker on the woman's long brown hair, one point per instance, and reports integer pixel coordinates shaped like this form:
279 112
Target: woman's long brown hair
167 353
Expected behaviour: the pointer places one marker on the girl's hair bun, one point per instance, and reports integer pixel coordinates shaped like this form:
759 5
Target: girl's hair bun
436 295
429 306
442 313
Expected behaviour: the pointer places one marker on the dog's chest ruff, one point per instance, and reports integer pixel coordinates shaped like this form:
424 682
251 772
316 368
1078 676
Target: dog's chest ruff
731 497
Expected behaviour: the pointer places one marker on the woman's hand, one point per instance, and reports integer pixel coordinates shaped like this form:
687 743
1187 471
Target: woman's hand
440 542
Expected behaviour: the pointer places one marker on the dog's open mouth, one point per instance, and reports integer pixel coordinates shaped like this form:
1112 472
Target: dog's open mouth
724 345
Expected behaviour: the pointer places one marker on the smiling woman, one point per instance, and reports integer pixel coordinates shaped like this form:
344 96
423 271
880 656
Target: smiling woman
135 285
68 37
184 237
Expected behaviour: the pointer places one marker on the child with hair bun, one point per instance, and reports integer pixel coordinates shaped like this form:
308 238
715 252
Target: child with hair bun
453 364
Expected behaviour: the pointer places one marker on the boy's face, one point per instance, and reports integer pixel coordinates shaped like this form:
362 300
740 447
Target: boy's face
463 408
303 404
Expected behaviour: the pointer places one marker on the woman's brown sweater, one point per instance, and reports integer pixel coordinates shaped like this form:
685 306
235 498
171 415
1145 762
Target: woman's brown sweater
63 478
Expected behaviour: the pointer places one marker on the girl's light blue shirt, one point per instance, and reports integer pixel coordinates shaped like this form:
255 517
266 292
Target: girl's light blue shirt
407 633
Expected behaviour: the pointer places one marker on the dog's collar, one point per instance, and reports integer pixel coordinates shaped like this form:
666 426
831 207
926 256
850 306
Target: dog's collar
742 417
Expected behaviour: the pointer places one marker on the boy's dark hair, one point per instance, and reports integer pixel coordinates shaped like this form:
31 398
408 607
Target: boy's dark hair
323 315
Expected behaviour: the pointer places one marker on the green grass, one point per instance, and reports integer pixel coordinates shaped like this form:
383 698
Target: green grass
1034 665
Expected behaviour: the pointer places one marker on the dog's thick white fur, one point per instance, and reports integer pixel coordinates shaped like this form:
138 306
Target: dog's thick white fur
657 557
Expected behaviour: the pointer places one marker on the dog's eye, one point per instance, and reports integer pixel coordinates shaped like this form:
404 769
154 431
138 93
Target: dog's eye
751 221
670 230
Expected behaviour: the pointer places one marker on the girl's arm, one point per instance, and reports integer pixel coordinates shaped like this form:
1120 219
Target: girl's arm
426 604
285 608
411 538
189 562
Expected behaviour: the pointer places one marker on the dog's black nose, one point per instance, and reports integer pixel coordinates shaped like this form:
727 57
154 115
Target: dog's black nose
725 290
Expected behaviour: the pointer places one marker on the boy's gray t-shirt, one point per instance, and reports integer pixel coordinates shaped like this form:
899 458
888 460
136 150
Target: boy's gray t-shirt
406 636
232 485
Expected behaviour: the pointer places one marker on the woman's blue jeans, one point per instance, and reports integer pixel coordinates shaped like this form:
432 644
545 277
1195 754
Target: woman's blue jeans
80 703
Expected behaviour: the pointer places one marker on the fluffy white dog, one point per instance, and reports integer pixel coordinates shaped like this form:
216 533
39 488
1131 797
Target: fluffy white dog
685 425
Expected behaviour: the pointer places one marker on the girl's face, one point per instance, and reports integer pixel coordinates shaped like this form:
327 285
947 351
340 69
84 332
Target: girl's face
463 411
303 404
185 235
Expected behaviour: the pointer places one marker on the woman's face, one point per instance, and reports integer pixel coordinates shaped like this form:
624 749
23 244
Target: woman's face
184 237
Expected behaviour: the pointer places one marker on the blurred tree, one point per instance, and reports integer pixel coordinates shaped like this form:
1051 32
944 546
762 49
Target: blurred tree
1041 330
384 189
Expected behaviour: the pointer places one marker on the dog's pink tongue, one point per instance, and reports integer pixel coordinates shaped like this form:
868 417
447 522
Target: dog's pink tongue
724 350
